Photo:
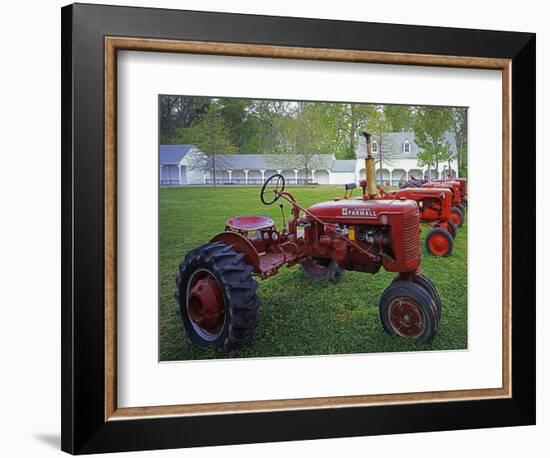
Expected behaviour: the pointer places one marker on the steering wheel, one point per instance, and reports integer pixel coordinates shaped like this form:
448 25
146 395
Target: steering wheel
274 185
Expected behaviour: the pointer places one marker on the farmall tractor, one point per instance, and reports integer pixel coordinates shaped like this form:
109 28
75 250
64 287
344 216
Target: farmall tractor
463 190
216 289
434 205
457 209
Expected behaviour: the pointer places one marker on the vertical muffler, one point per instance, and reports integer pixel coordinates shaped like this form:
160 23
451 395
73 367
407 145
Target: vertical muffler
372 189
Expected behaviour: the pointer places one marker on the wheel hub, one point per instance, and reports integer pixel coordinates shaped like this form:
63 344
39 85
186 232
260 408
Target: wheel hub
455 218
406 317
205 304
438 244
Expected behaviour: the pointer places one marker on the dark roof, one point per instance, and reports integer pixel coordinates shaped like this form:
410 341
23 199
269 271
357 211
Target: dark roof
173 154
268 162
393 143
242 161
347 165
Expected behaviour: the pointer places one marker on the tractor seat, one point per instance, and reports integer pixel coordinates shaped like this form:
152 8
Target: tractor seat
249 223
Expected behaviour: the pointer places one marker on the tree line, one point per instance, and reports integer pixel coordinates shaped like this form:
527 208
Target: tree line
294 133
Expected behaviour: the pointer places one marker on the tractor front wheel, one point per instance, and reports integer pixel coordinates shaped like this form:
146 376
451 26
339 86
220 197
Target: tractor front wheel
439 242
453 230
217 297
428 285
408 310
321 269
457 216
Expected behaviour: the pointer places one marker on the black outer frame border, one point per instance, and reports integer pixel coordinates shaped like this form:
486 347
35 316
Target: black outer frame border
84 429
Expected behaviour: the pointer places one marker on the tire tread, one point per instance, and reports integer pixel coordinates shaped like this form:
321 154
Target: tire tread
239 288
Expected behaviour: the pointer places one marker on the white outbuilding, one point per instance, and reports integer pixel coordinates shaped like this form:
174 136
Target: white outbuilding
396 159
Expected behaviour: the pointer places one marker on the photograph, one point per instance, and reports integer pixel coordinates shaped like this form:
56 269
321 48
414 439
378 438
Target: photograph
284 228
309 228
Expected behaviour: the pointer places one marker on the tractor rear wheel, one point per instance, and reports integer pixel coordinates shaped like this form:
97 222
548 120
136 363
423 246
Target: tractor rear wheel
457 216
217 297
439 242
461 207
321 269
407 309
452 229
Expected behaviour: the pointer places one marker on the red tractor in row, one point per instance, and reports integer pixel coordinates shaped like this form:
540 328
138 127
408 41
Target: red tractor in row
457 209
458 187
216 288
463 183
434 205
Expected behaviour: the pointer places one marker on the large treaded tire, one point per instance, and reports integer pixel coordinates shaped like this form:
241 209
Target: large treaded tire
417 294
321 269
239 293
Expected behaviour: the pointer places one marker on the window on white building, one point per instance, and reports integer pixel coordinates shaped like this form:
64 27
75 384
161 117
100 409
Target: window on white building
406 146
374 147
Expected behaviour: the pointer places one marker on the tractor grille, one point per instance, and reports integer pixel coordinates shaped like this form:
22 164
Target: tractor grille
411 238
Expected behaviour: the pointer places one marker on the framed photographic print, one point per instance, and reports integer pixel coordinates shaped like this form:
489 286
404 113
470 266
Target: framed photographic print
280 228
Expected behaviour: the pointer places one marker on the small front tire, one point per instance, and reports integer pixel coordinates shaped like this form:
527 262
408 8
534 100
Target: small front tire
453 230
439 242
408 310
457 216
428 285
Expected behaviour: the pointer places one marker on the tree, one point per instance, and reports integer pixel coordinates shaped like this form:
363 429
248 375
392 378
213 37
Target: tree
460 130
267 114
379 127
430 129
426 157
354 117
179 112
448 155
302 138
400 118
211 136
236 117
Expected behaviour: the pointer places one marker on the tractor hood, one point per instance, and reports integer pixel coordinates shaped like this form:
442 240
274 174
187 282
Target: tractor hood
419 193
360 211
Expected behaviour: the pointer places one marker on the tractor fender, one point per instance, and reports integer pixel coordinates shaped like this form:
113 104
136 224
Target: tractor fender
241 245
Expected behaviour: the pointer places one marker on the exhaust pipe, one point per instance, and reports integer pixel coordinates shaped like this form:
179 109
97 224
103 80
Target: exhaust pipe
372 189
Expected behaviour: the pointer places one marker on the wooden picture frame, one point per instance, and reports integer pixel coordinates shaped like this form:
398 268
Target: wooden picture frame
91 37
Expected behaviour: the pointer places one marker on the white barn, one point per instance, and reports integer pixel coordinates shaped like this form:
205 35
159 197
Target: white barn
185 165
177 166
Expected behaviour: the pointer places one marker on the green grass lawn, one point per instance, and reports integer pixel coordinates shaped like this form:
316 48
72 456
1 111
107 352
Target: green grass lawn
298 316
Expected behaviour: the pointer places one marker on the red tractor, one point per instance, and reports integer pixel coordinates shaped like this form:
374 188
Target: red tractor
457 210
434 205
463 190
216 289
